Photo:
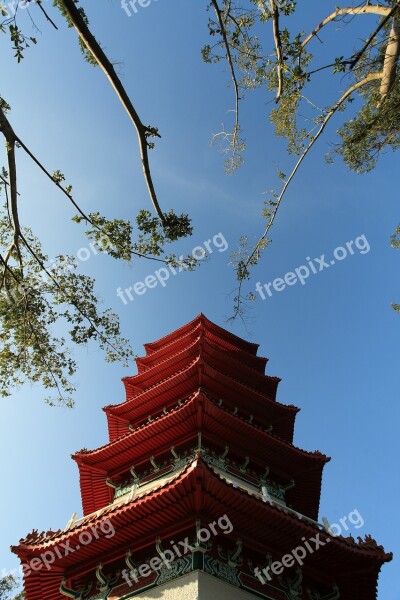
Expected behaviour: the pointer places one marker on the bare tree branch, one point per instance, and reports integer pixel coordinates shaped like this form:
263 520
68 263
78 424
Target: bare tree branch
11 139
359 10
143 131
231 67
278 48
391 57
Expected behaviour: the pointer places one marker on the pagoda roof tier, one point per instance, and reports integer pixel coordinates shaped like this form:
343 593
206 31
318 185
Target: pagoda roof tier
180 426
120 427
197 491
200 346
257 363
200 373
206 325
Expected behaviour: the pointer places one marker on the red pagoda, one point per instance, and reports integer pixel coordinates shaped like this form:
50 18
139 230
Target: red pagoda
200 492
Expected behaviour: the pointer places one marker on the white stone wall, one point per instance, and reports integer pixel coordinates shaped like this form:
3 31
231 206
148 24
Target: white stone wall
195 586
212 588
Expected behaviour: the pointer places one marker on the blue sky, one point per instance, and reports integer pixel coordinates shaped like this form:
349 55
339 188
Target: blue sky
333 341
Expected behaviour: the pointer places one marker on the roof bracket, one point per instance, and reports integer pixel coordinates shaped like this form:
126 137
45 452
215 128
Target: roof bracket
263 478
131 565
243 468
333 595
175 454
135 476
83 592
155 465
233 558
288 486
266 566
198 545
292 586
105 582
225 452
111 484
159 549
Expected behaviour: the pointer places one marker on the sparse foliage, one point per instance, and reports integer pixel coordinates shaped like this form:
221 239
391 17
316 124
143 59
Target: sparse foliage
368 86
9 584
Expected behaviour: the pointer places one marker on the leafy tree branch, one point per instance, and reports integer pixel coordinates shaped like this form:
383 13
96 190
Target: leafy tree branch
35 297
373 68
243 267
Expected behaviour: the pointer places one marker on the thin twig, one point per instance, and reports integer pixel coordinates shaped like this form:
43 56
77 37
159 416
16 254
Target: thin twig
39 3
257 248
231 67
342 62
42 358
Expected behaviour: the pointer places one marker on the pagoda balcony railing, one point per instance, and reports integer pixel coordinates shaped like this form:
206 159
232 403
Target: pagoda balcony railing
275 491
